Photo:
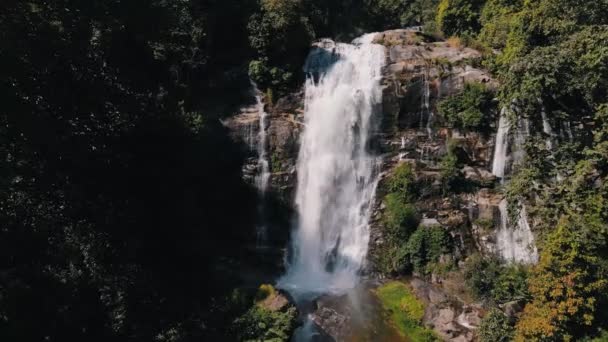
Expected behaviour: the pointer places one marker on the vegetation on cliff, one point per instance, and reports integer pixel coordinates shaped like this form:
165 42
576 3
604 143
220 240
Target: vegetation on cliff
405 311
551 59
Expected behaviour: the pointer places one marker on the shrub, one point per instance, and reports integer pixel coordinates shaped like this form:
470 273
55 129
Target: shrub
258 71
480 275
259 324
426 245
497 18
469 110
495 327
511 284
488 279
455 17
399 217
264 292
450 172
406 311
402 182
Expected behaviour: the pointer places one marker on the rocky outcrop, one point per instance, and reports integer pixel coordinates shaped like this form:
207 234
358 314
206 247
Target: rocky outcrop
420 72
447 315
283 132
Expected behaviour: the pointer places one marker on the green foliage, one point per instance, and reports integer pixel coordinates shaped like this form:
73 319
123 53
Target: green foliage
511 284
403 183
107 140
488 279
450 172
259 71
495 327
472 109
455 17
280 34
399 13
480 275
426 245
568 286
259 324
399 217
265 291
497 19
406 311
552 63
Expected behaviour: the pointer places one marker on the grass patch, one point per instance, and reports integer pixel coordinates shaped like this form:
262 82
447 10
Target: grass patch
405 311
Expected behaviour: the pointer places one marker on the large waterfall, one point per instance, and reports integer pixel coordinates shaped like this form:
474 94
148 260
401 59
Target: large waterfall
337 175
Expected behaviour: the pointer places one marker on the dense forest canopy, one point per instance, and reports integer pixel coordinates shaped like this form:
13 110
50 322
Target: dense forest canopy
120 190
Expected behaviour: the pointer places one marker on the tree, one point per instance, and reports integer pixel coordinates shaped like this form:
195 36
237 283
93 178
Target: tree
495 327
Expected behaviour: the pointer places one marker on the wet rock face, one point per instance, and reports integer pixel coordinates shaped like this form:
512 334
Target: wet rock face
333 323
420 70
420 73
283 131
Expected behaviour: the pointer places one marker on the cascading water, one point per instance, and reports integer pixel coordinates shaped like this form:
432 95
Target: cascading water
512 243
502 144
337 175
263 170
516 243
425 109
547 129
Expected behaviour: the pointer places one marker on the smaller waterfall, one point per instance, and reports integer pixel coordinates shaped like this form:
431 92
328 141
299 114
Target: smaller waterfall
425 105
263 170
547 129
568 129
515 243
502 144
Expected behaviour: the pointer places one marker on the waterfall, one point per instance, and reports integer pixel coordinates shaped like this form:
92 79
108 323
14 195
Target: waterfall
568 129
425 109
515 243
547 129
337 175
501 146
263 170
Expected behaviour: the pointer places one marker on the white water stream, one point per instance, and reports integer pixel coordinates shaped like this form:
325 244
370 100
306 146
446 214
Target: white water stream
337 175
263 169
514 242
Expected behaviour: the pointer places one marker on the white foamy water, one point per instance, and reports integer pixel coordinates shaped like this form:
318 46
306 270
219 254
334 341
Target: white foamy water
263 169
502 144
337 175
515 242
